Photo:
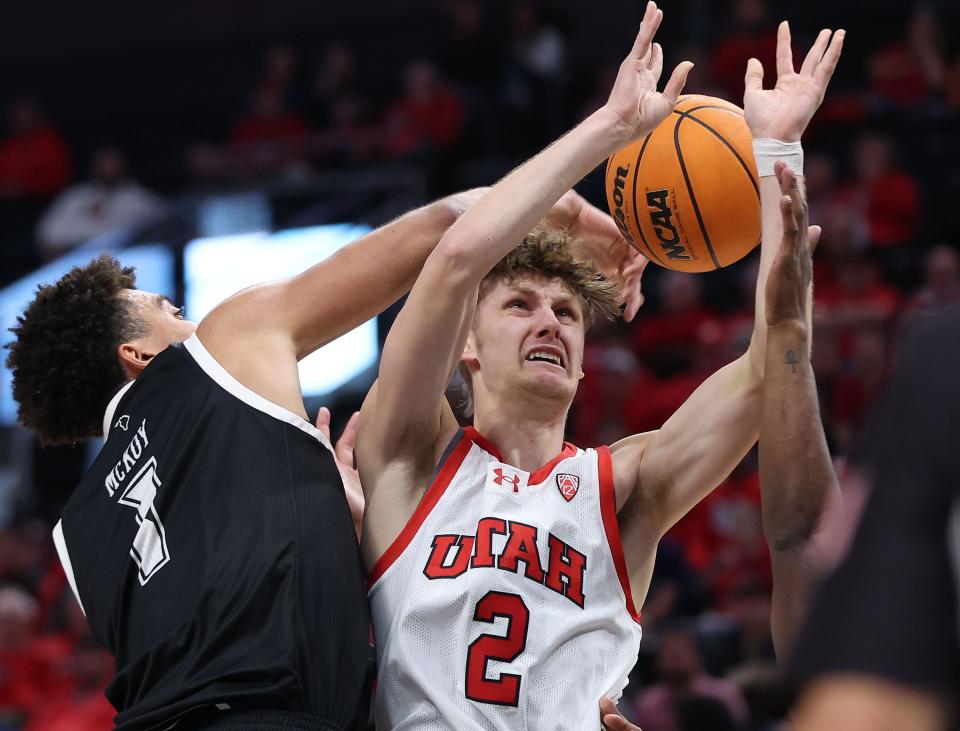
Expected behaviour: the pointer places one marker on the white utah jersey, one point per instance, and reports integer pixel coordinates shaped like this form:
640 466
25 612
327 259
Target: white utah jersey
505 603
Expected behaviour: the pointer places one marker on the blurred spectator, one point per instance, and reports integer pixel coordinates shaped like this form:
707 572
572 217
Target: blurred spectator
77 702
752 35
723 539
859 385
536 75
885 199
680 668
472 55
612 379
652 406
859 297
906 69
336 78
941 286
426 118
26 660
675 589
110 200
279 72
665 341
269 120
34 160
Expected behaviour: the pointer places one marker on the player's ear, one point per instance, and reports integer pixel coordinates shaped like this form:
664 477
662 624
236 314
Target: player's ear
134 357
469 354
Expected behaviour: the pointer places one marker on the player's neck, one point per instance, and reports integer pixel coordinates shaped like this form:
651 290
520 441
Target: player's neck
525 438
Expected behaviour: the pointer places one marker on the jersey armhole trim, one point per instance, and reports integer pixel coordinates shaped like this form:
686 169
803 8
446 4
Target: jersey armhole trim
231 385
60 544
449 467
608 514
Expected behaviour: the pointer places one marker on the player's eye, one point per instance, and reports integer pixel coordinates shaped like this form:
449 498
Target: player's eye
180 313
518 304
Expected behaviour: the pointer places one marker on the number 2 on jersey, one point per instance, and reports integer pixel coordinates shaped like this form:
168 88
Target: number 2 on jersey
505 690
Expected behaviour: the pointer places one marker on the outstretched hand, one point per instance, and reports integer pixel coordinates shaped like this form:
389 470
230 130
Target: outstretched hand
783 112
788 283
597 238
635 104
343 456
612 719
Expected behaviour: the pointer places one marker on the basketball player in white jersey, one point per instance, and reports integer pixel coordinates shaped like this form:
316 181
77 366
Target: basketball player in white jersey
505 565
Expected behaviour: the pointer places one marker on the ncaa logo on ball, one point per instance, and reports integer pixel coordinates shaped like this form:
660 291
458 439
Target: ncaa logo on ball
661 218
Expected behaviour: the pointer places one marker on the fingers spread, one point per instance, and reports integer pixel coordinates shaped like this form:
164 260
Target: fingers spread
784 52
678 80
815 53
828 65
648 28
813 234
753 80
656 60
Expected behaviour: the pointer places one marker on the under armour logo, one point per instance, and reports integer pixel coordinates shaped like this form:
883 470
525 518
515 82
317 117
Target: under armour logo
123 422
512 479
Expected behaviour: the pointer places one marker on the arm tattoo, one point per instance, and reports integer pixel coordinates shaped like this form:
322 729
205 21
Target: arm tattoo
792 360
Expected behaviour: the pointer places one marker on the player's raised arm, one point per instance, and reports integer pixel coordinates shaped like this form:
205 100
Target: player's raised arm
259 333
405 415
797 480
677 466
777 118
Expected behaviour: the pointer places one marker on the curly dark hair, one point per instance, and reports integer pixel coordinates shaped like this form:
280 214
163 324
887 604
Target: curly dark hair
64 358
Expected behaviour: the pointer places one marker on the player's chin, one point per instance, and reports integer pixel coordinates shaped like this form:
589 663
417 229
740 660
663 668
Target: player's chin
554 384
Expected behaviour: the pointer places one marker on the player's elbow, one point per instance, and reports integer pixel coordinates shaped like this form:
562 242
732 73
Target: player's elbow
456 261
790 531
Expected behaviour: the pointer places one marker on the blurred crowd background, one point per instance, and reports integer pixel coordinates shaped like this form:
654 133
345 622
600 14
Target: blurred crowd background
123 122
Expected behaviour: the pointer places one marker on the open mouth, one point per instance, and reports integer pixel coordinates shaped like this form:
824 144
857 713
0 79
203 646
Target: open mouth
546 356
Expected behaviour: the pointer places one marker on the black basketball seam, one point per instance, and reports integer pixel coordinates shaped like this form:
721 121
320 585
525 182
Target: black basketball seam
693 197
710 106
636 216
743 163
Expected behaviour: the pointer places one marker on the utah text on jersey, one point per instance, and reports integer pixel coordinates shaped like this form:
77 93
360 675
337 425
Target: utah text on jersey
504 602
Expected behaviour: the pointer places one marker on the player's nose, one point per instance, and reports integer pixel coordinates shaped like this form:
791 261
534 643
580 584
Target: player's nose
548 325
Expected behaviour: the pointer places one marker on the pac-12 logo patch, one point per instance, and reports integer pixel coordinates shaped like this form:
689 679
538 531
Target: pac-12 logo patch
568 485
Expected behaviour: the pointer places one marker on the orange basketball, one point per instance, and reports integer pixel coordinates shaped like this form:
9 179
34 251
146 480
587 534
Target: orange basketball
686 195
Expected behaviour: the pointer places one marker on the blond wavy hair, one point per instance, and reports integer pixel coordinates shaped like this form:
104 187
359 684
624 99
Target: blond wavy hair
547 252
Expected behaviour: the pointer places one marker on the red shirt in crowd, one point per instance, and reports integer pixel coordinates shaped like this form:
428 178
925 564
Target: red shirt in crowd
412 122
34 163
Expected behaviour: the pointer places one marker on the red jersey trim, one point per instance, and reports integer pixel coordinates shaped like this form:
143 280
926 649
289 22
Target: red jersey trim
427 503
608 513
536 477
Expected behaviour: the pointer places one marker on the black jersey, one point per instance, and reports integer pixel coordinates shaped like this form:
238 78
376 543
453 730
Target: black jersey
212 550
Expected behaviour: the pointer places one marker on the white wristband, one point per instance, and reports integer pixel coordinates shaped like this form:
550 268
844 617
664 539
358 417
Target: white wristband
766 151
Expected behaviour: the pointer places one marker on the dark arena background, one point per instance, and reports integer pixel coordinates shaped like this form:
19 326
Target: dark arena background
214 144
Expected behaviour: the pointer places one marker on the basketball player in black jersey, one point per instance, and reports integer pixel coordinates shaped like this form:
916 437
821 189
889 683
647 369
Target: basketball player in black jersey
210 544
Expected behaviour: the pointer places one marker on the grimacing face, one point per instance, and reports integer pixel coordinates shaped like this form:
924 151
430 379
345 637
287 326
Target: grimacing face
527 339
